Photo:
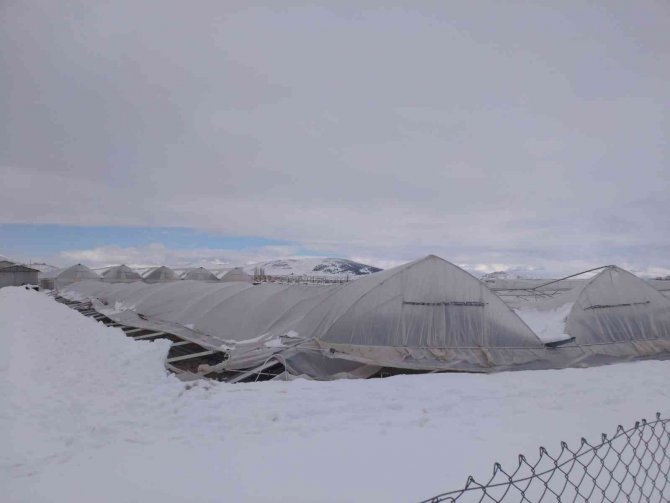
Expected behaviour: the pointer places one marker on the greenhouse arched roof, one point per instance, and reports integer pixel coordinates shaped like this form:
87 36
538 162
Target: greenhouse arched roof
620 315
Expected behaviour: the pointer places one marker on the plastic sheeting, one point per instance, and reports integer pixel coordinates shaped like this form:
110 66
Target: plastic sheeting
120 274
235 315
230 311
159 274
617 314
263 309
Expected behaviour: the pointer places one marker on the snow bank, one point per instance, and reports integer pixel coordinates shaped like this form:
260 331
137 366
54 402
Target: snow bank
90 415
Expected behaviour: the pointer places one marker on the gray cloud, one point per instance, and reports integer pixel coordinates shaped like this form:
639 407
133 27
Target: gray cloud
489 133
156 253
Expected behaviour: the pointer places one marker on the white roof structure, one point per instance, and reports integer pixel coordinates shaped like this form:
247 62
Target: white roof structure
199 274
74 274
160 274
120 274
619 315
237 274
231 314
264 310
229 311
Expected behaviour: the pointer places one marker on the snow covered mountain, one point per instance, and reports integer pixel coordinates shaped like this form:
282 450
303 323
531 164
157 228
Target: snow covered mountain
331 267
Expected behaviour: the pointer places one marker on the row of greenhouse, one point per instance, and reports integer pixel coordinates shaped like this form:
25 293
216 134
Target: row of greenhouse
427 315
124 274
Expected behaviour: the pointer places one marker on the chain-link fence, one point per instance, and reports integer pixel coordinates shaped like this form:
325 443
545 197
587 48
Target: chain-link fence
632 466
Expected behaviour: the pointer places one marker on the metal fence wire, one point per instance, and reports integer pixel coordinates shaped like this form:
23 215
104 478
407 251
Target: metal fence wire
632 465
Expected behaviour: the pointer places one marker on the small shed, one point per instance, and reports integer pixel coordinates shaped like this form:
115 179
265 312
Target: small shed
17 274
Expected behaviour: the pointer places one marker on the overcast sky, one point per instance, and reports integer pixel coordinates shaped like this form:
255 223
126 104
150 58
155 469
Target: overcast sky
495 134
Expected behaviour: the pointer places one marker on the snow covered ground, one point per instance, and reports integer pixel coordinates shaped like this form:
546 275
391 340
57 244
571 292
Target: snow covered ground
90 415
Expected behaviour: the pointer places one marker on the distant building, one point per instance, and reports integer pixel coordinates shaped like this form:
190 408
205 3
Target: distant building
12 274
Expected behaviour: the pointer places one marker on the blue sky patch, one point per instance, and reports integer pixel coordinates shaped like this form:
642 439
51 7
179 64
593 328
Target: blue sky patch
46 240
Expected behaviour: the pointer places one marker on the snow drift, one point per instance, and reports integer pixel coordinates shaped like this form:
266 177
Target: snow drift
90 415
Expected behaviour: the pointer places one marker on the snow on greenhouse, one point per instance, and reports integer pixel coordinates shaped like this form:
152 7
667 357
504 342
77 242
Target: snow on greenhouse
427 315
120 274
159 274
199 274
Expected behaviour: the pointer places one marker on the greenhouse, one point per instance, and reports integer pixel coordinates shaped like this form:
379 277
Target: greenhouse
160 274
120 274
618 315
424 316
74 274
199 274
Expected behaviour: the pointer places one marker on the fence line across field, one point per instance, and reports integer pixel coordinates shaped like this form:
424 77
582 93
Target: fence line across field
633 465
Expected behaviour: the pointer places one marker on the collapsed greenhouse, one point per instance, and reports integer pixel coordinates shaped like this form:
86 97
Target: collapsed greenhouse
425 316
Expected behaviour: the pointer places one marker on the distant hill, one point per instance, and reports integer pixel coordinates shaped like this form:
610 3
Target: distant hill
330 267
493 276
